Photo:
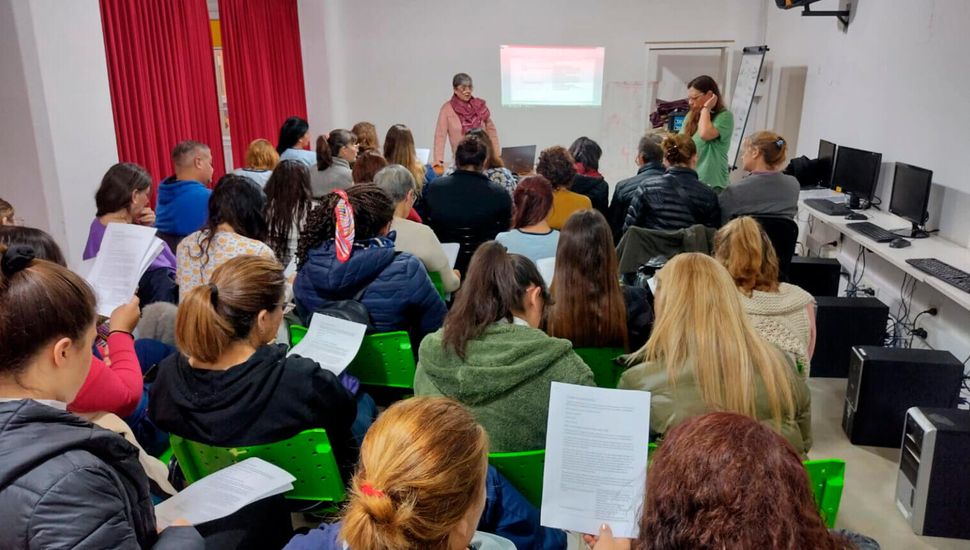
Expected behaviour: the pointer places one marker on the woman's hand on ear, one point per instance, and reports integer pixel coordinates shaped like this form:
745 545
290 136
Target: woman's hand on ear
711 102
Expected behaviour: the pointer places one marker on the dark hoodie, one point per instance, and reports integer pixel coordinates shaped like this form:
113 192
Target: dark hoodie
269 398
182 207
399 294
66 483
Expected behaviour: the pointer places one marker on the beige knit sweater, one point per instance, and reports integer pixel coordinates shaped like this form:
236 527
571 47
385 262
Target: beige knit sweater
782 319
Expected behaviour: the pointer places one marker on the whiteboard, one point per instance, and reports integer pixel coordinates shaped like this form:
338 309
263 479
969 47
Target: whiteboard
744 87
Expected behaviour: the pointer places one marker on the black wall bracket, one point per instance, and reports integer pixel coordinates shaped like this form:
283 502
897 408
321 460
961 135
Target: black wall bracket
843 15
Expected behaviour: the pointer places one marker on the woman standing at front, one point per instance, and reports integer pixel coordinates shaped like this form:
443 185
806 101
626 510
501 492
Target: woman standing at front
710 125
458 116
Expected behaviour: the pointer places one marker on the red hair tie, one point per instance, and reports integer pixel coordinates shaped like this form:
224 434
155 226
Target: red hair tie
370 491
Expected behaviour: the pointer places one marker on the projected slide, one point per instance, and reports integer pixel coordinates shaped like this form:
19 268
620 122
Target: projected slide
551 76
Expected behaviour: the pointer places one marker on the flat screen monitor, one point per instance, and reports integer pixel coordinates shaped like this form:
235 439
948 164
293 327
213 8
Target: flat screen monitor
911 195
825 160
856 173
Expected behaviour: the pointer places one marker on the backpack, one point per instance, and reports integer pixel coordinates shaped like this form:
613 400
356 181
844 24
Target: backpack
352 310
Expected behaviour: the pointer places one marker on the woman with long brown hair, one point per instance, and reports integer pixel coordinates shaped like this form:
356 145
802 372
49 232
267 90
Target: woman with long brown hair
399 149
704 355
289 200
491 356
366 137
590 307
710 125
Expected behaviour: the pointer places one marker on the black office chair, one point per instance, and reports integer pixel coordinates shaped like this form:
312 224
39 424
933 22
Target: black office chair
468 239
783 234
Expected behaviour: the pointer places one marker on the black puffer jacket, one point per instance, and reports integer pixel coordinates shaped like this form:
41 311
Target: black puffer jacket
596 189
626 191
66 483
660 205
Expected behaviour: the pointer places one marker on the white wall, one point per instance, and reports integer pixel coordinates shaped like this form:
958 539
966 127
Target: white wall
55 109
392 61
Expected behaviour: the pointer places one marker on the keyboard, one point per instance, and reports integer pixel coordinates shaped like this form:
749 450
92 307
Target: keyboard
872 231
942 271
828 207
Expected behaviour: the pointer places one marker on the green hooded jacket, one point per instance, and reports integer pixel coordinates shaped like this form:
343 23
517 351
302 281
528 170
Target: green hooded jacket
504 380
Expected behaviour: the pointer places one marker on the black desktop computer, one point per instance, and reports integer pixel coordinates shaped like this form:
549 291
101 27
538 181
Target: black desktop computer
911 195
933 483
856 173
841 323
885 382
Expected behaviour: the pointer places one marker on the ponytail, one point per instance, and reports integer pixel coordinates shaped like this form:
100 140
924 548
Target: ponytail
678 149
743 247
329 147
773 147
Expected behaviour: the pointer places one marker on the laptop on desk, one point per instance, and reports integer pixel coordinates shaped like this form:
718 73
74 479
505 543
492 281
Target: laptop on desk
520 160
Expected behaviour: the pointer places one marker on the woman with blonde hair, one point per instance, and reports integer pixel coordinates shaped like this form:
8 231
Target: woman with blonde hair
261 159
765 191
420 484
703 355
783 314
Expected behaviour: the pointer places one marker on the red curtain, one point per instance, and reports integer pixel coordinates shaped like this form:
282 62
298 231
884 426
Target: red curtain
162 77
263 67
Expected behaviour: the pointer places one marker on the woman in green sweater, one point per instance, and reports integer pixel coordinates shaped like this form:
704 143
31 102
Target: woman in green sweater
490 355
710 125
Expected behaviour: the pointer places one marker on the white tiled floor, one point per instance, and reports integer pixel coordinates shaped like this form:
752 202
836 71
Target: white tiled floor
868 504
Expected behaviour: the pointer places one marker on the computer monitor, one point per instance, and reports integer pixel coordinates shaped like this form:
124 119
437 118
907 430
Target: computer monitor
855 173
824 162
911 194
520 159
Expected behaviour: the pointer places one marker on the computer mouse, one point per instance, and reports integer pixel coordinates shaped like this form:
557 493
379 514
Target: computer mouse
857 216
899 242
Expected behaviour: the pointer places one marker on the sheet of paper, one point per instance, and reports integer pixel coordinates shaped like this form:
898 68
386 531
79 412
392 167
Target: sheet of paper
290 269
596 459
451 250
423 155
547 268
126 252
331 342
224 492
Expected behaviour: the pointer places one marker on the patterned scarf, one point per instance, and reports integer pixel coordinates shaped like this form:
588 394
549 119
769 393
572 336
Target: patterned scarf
343 216
472 113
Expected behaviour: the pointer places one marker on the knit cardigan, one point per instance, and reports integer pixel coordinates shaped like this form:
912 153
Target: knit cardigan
782 319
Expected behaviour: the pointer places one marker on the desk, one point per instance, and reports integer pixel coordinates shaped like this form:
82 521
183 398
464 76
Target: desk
931 247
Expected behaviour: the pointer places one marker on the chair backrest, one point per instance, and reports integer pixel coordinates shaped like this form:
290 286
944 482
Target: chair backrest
307 456
385 359
524 470
827 477
297 332
606 372
439 285
468 239
783 234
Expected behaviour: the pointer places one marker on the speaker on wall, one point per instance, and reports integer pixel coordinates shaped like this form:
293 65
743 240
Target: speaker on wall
841 323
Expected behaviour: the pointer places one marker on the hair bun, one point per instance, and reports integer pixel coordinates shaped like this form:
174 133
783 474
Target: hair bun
16 258
780 142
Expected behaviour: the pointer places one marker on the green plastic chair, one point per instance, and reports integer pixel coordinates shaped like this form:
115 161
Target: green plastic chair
385 360
297 332
307 456
439 285
827 477
606 372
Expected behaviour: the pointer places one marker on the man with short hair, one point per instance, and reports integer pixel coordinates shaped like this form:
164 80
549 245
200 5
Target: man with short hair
649 165
183 199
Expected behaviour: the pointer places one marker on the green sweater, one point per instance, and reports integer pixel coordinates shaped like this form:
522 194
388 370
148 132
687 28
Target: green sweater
504 380
672 404
712 156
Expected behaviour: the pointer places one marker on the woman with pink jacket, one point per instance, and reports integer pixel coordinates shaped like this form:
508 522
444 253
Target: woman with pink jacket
458 115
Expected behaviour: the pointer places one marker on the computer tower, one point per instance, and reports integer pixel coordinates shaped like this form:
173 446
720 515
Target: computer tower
817 276
841 323
885 382
933 483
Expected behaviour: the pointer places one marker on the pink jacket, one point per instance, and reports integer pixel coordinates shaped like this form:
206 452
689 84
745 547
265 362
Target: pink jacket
450 126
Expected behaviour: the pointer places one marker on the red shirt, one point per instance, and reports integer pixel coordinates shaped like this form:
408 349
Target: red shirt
116 388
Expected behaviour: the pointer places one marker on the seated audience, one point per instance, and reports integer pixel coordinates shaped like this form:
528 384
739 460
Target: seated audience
368 164
783 314
335 154
421 484
366 137
261 159
722 480
230 386
678 199
399 149
414 238
531 235
491 355
765 191
590 307
65 483
557 165
466 206
649 165
122 197
183 198
235 227
289 200
495 169
704 355
588 181
39 241
7 214
294 141
349 256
